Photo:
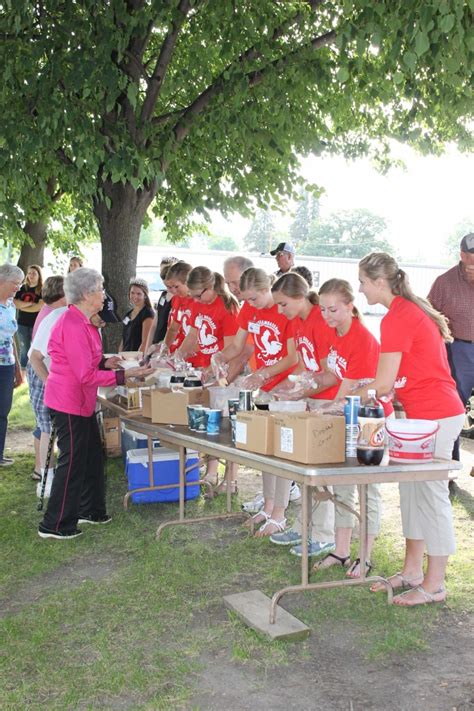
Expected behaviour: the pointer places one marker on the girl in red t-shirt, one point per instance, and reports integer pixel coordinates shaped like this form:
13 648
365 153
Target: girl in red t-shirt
300 305
181 305
212 326
275 355
413 360
348 352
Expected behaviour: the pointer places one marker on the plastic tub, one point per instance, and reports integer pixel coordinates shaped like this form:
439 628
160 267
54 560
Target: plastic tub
287 406
219 397
411 441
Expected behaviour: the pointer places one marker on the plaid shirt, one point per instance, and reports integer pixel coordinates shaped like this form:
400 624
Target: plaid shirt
453 295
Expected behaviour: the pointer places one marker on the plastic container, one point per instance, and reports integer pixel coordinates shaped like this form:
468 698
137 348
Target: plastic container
411 441
133 440
165 471
218 397
287 406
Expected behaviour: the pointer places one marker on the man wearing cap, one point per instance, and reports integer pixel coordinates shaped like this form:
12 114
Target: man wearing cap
285 257
453 294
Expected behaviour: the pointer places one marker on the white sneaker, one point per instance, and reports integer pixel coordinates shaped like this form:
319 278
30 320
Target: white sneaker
254 506
295 492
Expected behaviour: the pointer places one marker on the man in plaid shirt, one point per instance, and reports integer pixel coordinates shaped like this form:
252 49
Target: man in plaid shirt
453 294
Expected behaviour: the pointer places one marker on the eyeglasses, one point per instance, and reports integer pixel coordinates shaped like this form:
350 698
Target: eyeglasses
198 297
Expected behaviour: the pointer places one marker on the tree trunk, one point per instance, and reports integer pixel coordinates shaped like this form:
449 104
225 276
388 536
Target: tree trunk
33 253
119 228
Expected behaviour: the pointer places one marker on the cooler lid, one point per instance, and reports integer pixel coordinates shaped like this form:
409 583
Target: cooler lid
162 454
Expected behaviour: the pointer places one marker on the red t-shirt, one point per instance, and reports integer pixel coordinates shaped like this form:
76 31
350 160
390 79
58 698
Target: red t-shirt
424 384
310 334
270 331
212 322
180 312
353 356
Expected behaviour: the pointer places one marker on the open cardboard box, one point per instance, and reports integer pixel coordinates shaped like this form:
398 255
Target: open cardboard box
169 408
309 438
254 432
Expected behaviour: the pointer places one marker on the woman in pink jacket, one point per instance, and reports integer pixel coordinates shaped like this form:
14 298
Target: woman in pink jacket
75 348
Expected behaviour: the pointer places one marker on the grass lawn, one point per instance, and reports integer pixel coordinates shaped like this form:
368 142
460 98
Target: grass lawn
118 620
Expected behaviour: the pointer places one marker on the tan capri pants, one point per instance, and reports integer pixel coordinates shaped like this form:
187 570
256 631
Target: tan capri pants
346 495
276 488
322 521
425 506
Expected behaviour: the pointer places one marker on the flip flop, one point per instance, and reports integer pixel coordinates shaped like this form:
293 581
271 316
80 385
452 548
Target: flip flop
426 597
368 568
343 561
35 476
406 583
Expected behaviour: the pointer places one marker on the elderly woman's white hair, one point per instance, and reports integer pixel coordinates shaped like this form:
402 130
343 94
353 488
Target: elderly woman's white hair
10 272
81 282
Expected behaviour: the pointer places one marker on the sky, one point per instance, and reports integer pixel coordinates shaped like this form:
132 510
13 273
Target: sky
421 203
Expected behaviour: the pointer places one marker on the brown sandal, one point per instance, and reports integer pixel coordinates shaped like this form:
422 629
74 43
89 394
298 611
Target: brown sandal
343 561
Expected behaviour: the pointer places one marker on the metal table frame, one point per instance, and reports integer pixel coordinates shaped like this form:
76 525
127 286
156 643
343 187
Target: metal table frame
307 476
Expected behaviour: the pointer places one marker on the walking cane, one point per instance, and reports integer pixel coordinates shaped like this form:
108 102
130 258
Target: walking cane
46 466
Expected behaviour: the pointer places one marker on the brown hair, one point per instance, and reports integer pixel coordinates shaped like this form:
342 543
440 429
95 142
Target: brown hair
380 265
253 278
203 278
165 264
179 270
53 289
295 286
344 290
75 259
37 269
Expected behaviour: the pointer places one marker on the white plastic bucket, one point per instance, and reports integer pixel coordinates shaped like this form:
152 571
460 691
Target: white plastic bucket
411 441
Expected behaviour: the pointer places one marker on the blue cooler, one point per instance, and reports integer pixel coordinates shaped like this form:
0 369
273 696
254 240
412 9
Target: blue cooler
165 471
133 440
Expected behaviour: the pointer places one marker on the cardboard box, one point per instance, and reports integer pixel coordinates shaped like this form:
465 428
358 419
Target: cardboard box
254 432
111 432
309 438
146 403
169 408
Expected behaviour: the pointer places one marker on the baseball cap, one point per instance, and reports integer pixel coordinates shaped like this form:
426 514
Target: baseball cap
108 310
467 243
283 247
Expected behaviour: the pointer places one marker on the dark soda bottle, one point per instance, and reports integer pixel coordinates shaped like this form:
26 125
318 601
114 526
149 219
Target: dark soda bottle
371 439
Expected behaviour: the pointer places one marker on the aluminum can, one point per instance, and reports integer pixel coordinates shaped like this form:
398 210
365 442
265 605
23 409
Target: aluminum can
246 400
351 414
214 419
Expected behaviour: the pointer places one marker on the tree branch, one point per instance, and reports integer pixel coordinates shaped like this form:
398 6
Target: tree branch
164 58
183 126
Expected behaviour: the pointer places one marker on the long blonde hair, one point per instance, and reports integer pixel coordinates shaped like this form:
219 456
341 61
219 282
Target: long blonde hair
204 278
380 265
295 286
342 288
253 278
179 270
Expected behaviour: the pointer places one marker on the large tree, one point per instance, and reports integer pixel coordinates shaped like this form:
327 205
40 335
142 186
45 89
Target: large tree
193 105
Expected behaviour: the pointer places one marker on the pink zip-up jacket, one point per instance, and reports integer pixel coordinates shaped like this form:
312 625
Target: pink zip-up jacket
74 376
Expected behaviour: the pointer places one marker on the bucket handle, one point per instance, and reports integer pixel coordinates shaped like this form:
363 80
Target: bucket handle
396 435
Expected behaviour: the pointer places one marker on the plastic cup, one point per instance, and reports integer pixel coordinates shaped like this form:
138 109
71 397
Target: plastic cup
214 420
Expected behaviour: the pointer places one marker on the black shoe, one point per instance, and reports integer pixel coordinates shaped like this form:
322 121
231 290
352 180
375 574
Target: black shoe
6 462
59 535
95 519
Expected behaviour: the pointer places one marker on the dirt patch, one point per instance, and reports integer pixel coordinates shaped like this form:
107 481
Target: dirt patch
337 677
69 575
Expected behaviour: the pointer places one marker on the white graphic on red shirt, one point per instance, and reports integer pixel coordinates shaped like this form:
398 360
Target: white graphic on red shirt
306 348
206 328
185 325
267 340
336 363
400 382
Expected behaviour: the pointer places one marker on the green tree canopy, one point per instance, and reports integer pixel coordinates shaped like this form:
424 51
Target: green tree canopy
453 242
347 233
306 213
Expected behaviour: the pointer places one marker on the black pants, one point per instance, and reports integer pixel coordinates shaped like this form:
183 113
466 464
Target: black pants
79 486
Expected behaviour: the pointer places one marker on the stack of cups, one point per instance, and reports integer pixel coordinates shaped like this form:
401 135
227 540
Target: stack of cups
233 409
